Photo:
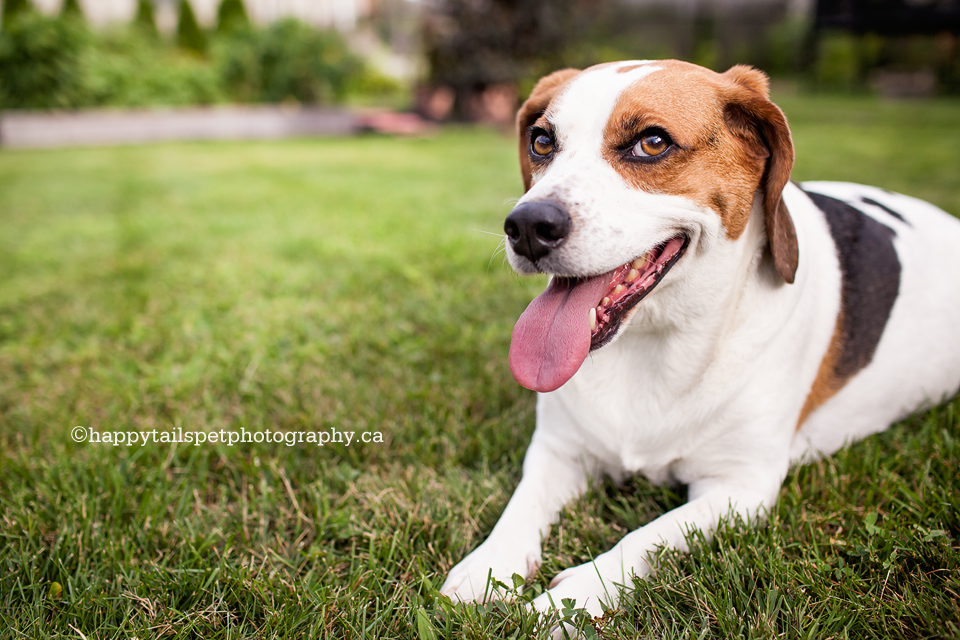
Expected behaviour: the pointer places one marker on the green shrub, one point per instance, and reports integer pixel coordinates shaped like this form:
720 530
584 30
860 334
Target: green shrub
232 15
845 62
189 35
372 84
145 20
71 9
128 70
289 60
13 8
41 62
58 63
785 46
238 57
838 63
305 64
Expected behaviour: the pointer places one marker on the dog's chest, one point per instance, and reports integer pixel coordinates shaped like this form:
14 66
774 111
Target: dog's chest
625 440
636 419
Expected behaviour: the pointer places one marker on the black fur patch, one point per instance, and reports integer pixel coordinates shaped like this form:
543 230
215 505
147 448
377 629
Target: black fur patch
871 280
880 205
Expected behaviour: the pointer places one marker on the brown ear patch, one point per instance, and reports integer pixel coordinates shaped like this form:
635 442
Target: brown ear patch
763 128
543 93
750 78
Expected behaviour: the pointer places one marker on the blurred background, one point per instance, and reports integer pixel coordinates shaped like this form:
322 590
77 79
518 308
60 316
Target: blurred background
462 60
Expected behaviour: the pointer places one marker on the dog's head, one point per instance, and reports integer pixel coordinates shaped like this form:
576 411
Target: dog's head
631 170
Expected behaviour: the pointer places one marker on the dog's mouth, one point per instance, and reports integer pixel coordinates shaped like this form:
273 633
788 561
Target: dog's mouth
574 316
629 285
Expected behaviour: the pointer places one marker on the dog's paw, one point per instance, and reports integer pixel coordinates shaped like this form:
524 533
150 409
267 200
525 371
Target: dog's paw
470 580
593 586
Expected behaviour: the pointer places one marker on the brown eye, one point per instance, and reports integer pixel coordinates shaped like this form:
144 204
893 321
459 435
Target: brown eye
651 144
542 144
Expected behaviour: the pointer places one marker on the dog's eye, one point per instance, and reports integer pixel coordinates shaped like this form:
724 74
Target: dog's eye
651 144
541 143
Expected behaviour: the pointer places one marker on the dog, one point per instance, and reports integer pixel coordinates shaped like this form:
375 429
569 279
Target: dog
707 321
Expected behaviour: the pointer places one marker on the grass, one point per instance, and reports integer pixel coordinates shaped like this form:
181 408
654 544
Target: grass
353 285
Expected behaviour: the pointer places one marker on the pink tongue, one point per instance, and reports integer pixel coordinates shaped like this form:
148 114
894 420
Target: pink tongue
552 337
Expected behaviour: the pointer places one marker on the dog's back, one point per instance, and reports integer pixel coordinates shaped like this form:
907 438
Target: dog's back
916 361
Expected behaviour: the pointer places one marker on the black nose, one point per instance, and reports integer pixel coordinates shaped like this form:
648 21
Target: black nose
536 228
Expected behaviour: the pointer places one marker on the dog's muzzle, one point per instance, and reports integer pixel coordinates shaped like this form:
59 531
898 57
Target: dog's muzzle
537 228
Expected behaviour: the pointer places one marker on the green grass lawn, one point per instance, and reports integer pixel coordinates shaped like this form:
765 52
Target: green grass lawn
354 285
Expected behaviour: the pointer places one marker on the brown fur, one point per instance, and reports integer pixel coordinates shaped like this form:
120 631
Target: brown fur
764 128
728 134
750 78
827 382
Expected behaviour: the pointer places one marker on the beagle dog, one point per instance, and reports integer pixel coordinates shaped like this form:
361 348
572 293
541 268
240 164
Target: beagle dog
707 321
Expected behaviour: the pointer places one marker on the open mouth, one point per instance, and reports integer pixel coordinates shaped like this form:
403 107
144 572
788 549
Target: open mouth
574 316
629 284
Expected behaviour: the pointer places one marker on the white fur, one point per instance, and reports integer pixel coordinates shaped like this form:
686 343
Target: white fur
705 383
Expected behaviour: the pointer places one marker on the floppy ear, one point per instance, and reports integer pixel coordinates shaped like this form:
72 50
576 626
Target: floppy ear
762 126
531 110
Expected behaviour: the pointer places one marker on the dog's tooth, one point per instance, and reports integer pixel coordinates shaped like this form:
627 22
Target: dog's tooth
593 318
640 262
605 302
632 275
618 289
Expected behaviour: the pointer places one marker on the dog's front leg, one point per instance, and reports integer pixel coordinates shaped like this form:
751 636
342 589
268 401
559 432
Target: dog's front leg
550 480
595 584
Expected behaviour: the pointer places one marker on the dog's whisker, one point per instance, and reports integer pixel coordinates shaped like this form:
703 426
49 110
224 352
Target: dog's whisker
511 201
489 233
500 249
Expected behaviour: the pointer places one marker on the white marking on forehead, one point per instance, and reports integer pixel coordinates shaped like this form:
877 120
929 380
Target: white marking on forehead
580 113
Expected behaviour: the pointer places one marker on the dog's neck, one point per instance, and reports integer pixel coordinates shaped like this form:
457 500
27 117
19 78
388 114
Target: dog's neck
683 326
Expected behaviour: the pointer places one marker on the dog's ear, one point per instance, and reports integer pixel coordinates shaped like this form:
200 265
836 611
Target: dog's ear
531 110
751 117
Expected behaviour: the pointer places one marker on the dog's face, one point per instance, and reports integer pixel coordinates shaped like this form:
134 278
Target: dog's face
634 172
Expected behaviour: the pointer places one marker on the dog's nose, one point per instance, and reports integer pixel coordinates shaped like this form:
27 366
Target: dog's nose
537 228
